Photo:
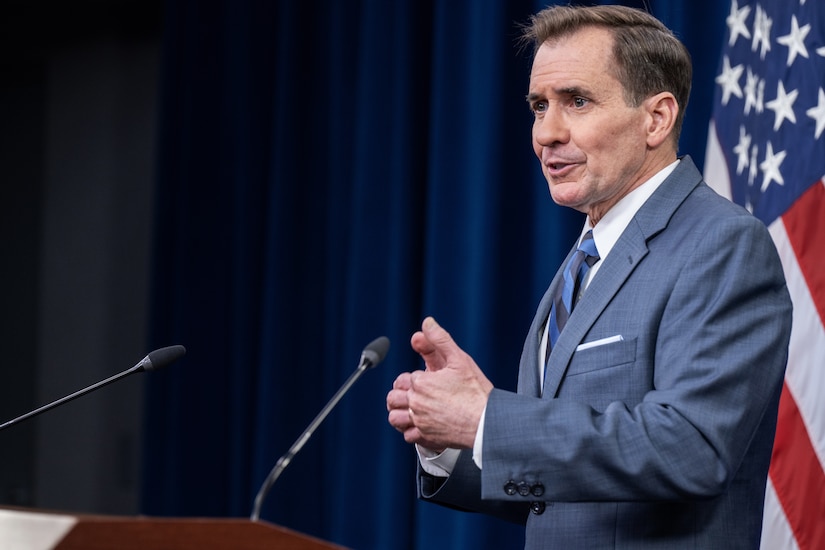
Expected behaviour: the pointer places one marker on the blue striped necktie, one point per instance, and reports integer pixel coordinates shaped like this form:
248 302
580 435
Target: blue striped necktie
583 259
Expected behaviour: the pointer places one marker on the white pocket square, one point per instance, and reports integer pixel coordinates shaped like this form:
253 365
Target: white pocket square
600 342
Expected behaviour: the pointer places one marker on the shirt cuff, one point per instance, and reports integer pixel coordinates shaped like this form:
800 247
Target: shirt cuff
479 440
437 464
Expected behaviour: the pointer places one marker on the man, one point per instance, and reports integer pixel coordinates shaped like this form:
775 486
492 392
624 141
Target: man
651 422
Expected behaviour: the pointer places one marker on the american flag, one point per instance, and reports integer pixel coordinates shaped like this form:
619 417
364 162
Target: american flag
766 151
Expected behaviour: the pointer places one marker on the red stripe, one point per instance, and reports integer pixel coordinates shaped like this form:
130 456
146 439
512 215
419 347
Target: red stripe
798 477
805 224
796 473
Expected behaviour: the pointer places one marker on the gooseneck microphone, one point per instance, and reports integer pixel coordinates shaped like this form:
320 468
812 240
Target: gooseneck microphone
373 354
154 361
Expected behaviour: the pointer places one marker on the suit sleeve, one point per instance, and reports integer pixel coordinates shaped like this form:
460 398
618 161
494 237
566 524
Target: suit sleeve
462 490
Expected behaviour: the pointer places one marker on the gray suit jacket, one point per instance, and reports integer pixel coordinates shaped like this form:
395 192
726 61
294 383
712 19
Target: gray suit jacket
663 439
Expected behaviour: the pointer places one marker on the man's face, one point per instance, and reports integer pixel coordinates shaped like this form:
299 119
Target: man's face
592 145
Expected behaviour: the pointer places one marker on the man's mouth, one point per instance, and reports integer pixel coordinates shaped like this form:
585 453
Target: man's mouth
559 169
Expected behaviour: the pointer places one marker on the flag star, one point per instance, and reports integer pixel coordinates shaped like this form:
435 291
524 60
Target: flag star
754 92
782 106
736 22
729 80
818 114
770 167
795 41
762 31
742 149
821 51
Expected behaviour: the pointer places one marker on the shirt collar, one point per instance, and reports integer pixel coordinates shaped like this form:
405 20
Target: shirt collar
607 232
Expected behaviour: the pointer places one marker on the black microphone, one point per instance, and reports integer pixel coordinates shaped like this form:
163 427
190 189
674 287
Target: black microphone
373 354
154 361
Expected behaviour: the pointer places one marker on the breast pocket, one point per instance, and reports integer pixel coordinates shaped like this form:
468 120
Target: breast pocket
604 374
607 356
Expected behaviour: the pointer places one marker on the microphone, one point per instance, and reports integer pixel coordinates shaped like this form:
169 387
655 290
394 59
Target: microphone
373 354
154 361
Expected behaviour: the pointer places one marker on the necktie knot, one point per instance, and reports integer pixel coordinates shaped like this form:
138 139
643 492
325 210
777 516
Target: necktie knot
585 257
588 248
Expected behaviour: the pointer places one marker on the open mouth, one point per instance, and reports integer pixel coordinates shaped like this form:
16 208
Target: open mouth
557 169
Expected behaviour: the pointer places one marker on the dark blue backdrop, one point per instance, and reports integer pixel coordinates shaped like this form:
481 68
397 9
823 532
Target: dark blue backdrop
330 172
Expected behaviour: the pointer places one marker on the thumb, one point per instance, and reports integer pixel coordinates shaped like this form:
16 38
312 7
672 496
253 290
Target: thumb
435 333
442 346
443 354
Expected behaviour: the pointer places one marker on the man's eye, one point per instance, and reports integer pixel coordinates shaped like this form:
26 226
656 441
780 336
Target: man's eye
579 102
539 107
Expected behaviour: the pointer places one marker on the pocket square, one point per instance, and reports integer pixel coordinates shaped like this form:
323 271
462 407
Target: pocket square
600 342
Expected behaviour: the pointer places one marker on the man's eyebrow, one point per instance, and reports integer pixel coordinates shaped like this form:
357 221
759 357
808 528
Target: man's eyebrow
567 91
573 91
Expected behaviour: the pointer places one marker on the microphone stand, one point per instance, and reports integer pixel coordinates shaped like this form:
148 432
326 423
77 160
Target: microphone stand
284 461
155 360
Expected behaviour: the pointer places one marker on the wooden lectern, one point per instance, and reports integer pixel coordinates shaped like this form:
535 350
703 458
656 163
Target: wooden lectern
34 530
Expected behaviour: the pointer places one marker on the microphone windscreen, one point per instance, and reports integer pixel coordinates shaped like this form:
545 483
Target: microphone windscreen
376 351
163 357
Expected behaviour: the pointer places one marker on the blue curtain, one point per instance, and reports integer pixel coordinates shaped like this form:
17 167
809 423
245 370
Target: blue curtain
330 172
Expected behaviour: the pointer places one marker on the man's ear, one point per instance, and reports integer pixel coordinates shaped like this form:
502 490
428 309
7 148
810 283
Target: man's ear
662 110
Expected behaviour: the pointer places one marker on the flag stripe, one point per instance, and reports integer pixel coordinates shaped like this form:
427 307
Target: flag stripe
776 533
797 476
805 224
805 373
796 471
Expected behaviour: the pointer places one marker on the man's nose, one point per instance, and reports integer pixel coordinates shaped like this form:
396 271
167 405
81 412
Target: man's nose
550 129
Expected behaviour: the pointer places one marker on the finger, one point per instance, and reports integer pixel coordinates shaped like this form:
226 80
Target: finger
404 422
412 435
402 382
397 399
400 420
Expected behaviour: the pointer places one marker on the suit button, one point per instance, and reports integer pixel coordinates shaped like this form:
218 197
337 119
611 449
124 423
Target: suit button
510 487
537 508
537 489
524 488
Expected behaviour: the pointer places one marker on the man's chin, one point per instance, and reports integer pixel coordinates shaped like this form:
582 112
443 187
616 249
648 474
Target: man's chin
565 193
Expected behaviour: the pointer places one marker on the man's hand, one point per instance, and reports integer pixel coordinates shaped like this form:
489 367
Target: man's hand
440 406
400 413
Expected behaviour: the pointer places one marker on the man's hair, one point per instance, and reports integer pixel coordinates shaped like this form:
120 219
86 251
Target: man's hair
647 57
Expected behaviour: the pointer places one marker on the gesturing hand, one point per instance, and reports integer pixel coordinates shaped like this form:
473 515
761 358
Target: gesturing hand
441 405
